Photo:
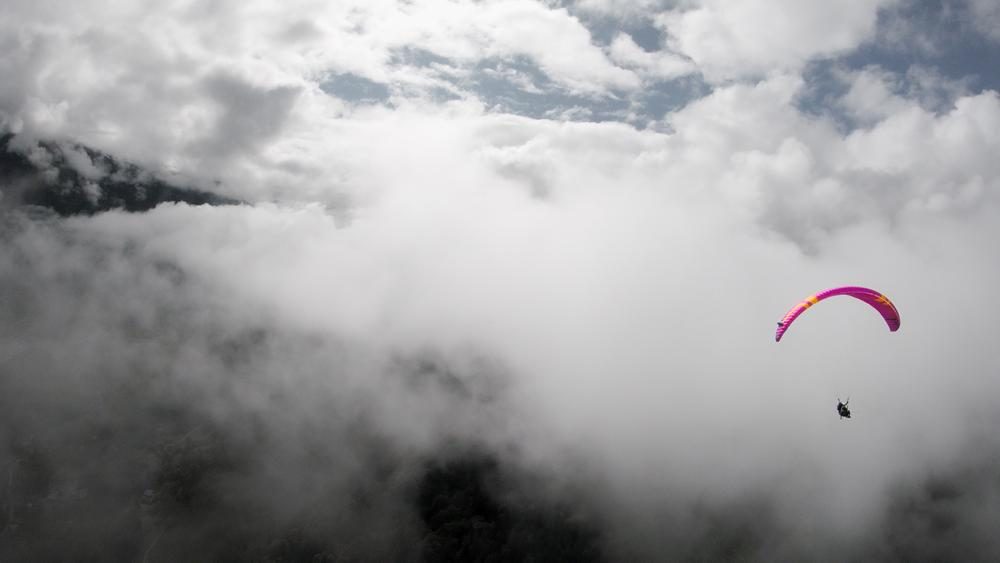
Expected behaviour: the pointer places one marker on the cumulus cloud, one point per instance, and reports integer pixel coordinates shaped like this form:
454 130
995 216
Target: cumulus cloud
583 302
755 38
175 88
875 93
986 17
660 64
624 8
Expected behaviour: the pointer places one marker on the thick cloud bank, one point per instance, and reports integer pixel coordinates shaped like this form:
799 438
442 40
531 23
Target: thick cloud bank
439 331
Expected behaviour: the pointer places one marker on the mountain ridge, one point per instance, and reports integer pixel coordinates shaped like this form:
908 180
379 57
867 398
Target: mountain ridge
48 177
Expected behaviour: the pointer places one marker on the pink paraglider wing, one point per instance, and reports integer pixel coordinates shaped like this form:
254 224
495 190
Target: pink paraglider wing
880 302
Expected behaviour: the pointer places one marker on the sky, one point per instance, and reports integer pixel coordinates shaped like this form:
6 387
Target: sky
558 231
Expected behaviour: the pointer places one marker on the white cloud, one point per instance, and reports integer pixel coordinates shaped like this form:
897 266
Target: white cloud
784 167
943 159
207 88
659 64
615 292
872 96
624 282
748 39
986 17
624 8
573 60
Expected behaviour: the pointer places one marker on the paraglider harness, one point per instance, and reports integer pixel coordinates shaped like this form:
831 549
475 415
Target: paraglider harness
842 409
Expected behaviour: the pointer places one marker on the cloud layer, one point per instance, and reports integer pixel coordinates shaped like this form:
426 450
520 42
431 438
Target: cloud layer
590 302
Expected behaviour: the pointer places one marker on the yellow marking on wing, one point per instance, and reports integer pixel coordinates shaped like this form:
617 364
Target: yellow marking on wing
885 301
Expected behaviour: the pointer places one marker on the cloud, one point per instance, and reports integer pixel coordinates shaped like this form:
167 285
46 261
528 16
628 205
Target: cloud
573 61
166 88
986 18
250 115
754 38
872 96
657 65
608 308
359 38
876 93
623 8
589 303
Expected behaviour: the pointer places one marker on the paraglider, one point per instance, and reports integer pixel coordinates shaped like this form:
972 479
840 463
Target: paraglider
842 409
878 301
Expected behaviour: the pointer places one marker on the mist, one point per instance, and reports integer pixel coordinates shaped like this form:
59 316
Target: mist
434 329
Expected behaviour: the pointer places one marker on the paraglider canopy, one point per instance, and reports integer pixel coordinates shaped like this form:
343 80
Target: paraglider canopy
878 301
